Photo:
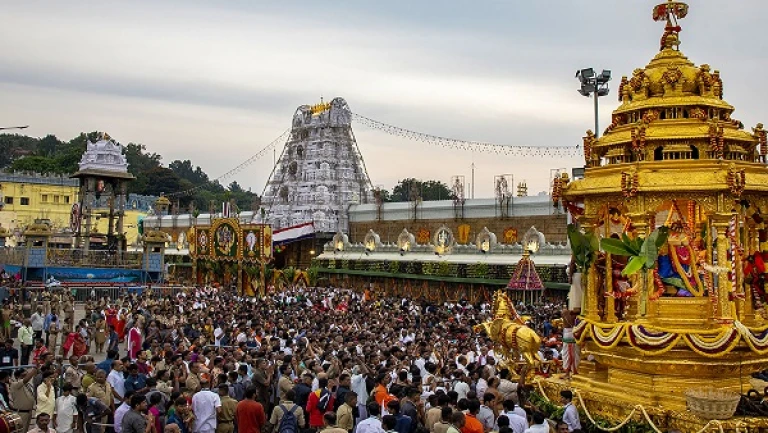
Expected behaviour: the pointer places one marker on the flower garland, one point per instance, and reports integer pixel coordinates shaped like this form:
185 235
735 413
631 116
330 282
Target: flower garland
736 181
685 276
557 190
710 344
630 184
715 346
659 286
757 343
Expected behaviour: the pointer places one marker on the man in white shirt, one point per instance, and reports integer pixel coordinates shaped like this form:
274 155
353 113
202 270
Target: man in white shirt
66 410
359 387
38 321
518 421
462 385
218 333
571 415
206 404
540 424
117 381
372 424
485 416
120 413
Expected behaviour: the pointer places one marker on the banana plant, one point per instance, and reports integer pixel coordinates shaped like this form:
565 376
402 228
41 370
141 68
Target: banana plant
642 253
584 247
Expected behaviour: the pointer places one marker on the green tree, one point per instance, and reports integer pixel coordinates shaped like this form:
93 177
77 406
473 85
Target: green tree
37 164
162 180
235 187
428 190
48 146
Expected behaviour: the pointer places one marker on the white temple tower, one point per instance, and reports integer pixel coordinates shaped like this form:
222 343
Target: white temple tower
320 171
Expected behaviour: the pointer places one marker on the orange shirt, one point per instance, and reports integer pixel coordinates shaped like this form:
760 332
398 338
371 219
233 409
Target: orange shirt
472 425
382 396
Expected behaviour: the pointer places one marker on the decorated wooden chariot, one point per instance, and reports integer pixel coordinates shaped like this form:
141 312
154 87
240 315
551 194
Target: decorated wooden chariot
671 241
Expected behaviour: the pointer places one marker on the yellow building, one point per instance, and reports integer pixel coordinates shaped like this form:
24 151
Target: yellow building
130 227
26 197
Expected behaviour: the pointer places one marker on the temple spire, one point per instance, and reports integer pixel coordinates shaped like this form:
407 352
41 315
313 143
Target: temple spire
671 11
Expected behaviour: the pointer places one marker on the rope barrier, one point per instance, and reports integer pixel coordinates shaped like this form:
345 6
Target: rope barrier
473 146
639 407
238 168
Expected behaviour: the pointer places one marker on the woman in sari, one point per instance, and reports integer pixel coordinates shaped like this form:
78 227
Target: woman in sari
122 319
79 346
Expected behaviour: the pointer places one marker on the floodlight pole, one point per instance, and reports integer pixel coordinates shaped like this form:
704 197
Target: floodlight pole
597 116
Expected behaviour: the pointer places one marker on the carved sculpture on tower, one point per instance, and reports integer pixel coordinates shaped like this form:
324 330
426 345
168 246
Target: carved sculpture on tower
320 171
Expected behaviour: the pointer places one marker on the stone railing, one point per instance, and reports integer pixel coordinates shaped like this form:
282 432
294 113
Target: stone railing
12 256
93 259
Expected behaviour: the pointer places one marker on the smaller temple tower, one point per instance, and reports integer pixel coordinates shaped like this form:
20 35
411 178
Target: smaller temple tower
36 237
154 240
103 171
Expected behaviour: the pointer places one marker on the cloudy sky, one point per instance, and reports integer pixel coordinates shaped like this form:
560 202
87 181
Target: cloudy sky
216 81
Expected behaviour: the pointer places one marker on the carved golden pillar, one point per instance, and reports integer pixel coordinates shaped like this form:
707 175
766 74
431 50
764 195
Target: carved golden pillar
640 223
750 236
610 301
590 289
723 283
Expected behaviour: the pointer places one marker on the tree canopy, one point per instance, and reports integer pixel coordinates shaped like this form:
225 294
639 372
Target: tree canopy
49 155
410 188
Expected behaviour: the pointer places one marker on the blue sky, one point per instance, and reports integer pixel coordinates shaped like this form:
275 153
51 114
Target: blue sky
216 81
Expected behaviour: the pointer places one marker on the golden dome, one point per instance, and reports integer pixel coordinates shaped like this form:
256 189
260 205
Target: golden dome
673 102
156 236
38 229
162 201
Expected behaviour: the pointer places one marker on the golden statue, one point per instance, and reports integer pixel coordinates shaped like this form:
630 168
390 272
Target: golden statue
510 333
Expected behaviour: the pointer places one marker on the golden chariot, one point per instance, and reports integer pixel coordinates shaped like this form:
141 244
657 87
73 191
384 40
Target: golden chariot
694 317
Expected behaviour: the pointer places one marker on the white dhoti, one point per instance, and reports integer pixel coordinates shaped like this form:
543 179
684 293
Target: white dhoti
571 352
575 294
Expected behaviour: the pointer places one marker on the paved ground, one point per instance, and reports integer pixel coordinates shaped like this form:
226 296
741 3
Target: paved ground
79 314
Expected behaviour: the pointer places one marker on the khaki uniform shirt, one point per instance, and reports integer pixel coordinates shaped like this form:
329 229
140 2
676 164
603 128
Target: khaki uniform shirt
440 427
345 418
192 383
284 385
101 392
227 414
277 414
22 395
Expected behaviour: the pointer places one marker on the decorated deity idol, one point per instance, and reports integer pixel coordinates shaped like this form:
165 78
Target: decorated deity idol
677 264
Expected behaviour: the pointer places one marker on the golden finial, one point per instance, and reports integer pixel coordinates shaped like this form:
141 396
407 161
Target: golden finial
671 11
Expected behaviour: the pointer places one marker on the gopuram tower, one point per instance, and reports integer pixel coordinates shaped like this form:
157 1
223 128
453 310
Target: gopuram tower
320 171
688 314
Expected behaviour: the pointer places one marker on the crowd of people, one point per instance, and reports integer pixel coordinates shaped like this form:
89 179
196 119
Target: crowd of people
305 360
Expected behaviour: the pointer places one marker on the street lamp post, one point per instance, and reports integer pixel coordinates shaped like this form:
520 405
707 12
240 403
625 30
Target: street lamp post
592 84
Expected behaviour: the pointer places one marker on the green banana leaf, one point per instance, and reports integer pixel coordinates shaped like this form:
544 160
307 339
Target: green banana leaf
617 247
634 265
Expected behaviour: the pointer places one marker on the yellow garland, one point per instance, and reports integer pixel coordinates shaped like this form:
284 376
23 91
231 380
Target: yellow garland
661 351
743 333
744 330
619 336
698 291
671 331
725 351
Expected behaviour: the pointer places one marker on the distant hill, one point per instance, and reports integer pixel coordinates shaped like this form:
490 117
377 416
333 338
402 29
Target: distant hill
51 155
